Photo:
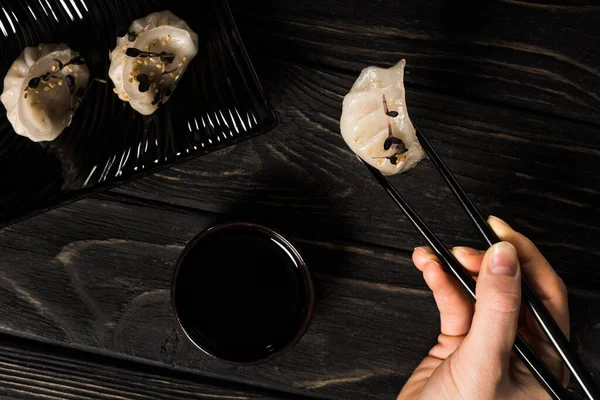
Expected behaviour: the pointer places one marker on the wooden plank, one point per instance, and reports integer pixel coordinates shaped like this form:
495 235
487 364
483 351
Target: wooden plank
539 172
95 276
519 53
30 370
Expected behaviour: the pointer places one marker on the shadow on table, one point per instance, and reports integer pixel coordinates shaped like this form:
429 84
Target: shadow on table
307 218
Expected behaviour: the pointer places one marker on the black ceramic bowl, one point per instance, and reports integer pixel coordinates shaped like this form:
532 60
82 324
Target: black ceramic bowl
241 292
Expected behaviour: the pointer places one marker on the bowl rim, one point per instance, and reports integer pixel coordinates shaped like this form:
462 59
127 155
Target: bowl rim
307 306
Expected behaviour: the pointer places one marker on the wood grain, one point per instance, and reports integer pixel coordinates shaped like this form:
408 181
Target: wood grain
523 54
30 370
92 294
98 280
538 172
509 93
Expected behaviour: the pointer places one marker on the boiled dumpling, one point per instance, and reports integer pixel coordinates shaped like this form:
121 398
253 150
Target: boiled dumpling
375 122
149 61
42 90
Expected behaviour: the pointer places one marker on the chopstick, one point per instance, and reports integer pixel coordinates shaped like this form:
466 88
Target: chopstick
531 300
521 348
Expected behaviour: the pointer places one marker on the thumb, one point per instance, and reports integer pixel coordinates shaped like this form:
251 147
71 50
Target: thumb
496 317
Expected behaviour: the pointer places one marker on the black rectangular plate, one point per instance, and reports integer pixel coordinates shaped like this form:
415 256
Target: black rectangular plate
218 102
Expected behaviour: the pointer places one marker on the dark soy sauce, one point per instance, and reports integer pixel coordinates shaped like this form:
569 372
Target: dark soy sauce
241 294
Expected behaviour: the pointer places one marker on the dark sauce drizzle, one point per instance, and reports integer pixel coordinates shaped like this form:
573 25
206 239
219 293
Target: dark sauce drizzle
391 140
165 57
144 80
34 83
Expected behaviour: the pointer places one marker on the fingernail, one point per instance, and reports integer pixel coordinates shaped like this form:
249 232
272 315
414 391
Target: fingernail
467 250
423 249
504 260
498 220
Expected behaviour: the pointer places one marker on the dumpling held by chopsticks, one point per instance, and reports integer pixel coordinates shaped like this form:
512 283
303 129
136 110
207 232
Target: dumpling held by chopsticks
375 122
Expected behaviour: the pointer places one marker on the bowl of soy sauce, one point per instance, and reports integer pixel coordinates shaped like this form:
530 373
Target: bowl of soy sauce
242 293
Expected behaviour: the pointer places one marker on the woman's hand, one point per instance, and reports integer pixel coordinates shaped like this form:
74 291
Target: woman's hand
473 358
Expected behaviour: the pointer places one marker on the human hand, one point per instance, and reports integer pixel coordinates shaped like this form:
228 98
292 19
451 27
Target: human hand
473 358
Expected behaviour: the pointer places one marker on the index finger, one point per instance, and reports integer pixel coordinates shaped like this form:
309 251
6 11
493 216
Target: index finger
549 287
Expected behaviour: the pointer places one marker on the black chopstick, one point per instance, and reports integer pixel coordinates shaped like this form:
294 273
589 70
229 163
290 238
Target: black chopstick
523 350
532 302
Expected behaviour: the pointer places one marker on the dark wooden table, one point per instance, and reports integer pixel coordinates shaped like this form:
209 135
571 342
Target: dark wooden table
508 91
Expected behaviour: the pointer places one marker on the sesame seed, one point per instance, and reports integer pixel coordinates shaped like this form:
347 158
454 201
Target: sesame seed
53 68
184 58
152 73
172 75
162 81
164 43
379 162
180 65
168 38
124 47
355 139
159 65
115 90
15 68
369 153
69 68
60 83
52 85
146 61
46 89
40 46
139 61
117 56
155 90
130 80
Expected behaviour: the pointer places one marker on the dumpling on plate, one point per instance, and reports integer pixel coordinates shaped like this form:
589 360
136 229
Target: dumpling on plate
149 61
375 123
42 90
